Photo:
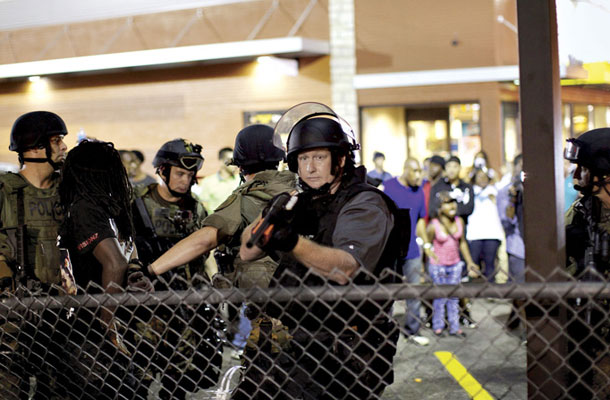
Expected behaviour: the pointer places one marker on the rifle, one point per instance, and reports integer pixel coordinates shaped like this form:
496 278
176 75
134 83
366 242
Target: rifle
262 231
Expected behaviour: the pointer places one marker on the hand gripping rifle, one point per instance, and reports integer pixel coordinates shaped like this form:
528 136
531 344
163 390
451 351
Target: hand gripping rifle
262 231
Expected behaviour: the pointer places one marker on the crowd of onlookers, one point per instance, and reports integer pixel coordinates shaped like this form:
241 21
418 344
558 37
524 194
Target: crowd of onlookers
466 224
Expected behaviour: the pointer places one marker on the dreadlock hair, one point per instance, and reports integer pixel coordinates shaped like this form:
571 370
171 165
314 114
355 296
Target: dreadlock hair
93 171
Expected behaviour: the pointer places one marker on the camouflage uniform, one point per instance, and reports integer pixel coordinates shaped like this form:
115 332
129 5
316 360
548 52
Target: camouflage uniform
32 345
230 218
180 341
239 210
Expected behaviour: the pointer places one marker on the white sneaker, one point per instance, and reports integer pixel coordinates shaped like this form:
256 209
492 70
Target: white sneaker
419 340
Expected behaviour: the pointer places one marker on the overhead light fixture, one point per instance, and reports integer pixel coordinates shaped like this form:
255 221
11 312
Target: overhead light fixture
34 78
276 65
290 47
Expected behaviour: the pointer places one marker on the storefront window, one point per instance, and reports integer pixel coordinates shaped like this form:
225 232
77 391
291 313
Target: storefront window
580 118
420 132
511 128
465 138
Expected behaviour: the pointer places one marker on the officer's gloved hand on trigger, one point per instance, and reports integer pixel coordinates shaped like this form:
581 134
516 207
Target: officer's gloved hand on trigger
136 279
283 237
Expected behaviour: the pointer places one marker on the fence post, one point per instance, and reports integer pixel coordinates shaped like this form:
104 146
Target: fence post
540 103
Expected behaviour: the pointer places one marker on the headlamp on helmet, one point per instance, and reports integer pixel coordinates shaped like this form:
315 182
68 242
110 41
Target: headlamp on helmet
571 151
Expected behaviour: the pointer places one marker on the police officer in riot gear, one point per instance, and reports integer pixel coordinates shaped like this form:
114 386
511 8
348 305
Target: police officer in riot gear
167 212
588 219
185 349
257 153
29 259
588 258
340 231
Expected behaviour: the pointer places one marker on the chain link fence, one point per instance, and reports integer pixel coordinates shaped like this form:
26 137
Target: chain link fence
531 340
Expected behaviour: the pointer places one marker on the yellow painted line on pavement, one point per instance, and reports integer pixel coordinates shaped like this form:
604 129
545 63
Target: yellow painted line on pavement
462 376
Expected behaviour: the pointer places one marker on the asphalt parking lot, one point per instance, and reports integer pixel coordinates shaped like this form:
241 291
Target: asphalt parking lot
489 363
492 357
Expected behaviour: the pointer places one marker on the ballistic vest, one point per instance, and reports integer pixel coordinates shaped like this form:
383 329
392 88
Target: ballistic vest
40 212
171 222
262 188
316 218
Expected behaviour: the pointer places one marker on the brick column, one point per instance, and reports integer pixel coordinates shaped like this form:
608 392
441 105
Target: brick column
343 60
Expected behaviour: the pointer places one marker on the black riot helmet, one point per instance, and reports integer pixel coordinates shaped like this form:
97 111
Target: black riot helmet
33 130
178 153
592 151
257 148
315 125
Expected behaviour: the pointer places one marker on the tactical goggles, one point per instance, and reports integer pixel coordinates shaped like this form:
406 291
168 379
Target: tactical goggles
571 150
191 162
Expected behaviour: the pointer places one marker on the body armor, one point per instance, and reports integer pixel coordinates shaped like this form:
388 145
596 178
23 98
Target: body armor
41 217
159 227
260 190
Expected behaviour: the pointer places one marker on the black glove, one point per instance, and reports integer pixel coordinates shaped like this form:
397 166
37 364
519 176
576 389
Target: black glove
138 277
283 237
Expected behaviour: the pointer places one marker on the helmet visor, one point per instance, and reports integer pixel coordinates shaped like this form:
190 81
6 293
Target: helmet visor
191 162
298 113
571 151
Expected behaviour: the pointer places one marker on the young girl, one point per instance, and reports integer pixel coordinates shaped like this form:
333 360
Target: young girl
447 233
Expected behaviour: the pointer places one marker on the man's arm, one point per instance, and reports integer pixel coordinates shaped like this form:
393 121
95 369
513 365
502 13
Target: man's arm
108 253
335 264
189 248
465 209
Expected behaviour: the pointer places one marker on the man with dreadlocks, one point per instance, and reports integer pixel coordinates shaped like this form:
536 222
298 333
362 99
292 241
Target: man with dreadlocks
97 234
29 260
164 213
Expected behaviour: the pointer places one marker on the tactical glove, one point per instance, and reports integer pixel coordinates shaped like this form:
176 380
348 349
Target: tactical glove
283 237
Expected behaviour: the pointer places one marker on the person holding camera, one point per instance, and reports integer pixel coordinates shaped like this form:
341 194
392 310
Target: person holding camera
510 208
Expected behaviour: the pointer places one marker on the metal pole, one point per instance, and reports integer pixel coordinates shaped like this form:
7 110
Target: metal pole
540 105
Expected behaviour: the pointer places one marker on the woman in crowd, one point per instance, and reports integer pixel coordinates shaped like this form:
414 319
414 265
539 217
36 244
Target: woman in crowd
484 232
447 233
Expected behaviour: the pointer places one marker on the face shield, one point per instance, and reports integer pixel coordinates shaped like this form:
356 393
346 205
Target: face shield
308 110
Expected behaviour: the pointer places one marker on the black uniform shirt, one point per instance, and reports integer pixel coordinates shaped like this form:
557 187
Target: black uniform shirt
363 228
86 226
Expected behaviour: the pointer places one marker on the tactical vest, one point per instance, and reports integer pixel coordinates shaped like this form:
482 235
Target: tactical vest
170 224
39 211
317 219
578 238
262 188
